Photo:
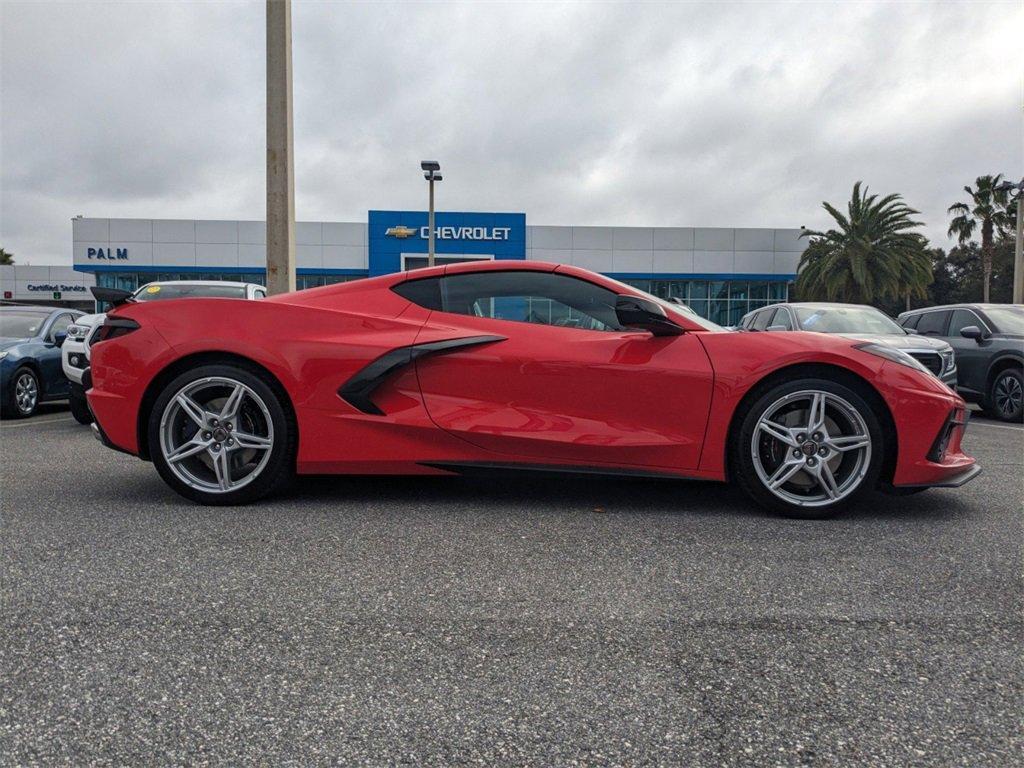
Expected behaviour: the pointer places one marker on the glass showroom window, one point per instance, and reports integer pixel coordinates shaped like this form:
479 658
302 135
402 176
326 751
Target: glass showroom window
721 301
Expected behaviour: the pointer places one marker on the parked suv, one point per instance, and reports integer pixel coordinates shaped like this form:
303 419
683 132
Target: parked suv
856 321
75 353
989 344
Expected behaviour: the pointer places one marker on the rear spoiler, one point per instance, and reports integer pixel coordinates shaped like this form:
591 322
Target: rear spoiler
113 296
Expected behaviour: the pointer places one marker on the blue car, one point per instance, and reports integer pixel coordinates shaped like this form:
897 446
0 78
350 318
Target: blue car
30 366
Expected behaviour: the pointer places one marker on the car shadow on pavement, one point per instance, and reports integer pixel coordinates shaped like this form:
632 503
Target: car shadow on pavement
535 492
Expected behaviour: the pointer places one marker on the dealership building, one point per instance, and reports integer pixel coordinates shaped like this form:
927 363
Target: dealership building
47 285
721 272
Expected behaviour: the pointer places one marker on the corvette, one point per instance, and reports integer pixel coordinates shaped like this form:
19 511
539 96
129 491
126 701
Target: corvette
502 365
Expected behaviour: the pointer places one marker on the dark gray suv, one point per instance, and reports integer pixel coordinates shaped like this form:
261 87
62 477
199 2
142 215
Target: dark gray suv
989 344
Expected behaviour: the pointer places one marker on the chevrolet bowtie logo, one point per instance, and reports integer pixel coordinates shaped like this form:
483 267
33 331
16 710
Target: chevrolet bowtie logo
401 232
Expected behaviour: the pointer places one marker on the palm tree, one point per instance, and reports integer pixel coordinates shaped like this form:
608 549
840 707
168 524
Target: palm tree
987 208
873 255
6 257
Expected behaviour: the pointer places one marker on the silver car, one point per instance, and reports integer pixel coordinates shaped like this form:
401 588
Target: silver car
856 321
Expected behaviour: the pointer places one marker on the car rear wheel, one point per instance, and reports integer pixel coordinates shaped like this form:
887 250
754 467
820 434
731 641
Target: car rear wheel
23 395
221 435
807 448
1006 396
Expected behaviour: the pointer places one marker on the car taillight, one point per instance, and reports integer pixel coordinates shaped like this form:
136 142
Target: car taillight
116 326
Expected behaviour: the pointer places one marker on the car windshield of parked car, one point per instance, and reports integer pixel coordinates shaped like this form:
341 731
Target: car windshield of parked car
1007 319
156 291
21 325
846 320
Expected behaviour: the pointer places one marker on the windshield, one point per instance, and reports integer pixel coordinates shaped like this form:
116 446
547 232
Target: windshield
846 320
155 291
1007 319
681 309
21 325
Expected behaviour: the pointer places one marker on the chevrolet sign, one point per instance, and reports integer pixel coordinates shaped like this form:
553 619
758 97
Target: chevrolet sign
452 233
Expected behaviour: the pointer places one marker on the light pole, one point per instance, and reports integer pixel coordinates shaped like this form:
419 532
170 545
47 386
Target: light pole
280 150
432 173
1018 249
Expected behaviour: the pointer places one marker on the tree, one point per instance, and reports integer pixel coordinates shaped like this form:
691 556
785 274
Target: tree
873 255
987 209
6 257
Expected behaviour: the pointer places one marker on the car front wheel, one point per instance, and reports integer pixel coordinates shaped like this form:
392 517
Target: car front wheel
807 448
1006 397
23 394
221 435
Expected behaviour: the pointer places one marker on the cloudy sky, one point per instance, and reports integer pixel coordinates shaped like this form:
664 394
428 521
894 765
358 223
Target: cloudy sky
657 114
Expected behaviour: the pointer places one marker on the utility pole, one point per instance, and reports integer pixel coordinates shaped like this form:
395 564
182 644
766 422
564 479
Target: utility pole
280 150
431 172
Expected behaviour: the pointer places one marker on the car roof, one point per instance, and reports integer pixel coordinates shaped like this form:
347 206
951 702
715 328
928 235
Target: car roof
827 305
229 283
963 305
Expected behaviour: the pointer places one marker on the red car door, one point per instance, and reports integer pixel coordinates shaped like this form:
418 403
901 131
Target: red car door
560 384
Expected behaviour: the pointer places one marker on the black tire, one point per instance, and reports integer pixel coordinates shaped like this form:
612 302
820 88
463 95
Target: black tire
279 469
79 407
1006 396
741 448
11 406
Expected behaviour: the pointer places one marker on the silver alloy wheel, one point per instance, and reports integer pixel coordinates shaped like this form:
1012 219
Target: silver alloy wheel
216 434
26 393
1008 394
811 448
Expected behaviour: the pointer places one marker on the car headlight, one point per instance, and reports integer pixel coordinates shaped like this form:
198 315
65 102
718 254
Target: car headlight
948 361
893 354
77 331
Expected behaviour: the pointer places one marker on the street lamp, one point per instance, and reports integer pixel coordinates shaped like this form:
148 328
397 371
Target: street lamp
432 173
1018 252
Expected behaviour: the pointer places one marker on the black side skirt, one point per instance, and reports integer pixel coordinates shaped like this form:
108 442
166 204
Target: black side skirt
495 467
357 390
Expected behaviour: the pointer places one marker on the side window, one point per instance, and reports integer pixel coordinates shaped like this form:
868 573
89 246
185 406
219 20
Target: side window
933 323
911 322
531 297
761 319
426 293
782 319
961 319
60 325
259 293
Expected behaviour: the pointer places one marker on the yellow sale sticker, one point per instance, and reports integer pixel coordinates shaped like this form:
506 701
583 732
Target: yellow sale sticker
153 289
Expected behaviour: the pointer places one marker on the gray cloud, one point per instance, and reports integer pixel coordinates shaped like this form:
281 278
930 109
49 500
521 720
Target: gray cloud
643 114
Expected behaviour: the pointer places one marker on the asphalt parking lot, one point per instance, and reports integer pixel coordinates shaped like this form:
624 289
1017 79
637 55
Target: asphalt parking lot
454 621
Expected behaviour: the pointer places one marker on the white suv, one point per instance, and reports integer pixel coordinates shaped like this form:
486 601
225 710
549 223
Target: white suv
75 351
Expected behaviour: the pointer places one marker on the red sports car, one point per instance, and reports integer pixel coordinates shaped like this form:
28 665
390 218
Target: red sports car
511 365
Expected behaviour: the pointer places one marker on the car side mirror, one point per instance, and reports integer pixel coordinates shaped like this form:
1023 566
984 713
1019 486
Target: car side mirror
911 331
644 315
972 332
775 328
60 337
